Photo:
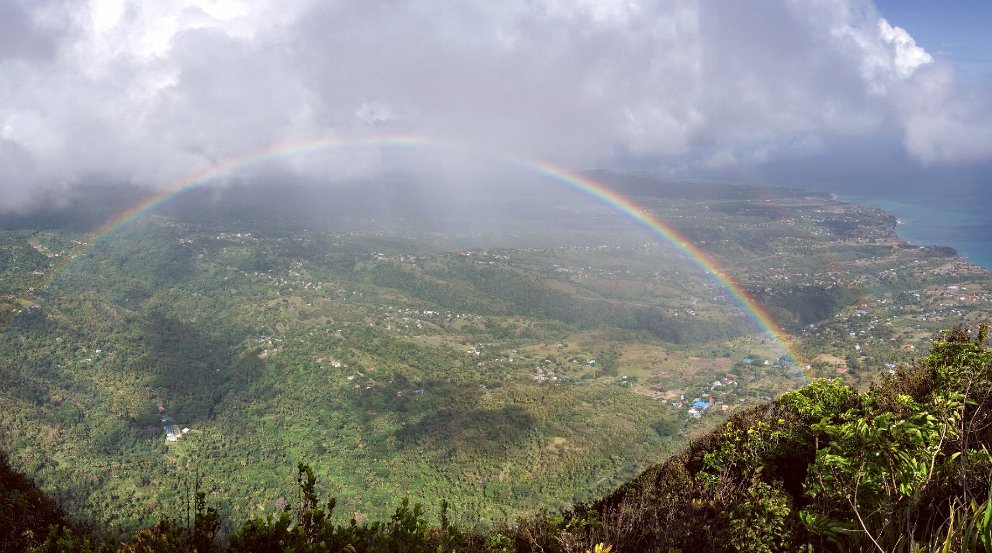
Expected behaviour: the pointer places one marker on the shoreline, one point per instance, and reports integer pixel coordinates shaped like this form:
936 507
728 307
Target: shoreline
912 227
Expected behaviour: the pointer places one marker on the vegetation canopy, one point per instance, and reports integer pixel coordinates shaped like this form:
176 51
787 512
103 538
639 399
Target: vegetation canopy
194 354
904 466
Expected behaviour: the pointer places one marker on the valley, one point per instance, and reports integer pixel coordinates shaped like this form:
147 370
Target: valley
506 372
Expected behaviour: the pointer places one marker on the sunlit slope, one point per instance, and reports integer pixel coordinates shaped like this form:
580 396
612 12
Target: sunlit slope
504 379
470 376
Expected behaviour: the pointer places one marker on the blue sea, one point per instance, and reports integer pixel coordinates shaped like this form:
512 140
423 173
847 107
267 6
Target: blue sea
962 220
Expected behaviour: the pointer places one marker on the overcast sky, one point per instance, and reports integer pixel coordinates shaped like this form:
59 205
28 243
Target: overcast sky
781 90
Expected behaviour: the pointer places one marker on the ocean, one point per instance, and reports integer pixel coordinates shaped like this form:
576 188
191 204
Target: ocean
962 220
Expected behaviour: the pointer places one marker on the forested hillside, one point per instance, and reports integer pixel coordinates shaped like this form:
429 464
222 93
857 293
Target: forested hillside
903 466
181 354
26 513
395 369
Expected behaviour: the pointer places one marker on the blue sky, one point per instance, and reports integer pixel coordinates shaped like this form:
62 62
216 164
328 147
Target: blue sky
958 29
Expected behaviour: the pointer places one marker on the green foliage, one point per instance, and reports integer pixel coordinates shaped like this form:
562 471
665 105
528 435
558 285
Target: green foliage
350 350
968 528
903 466
498 542
606 361
760 521
825 468
324 359
880 462
164 538
205 526
820 399
807 304
25 512
61 539
310 528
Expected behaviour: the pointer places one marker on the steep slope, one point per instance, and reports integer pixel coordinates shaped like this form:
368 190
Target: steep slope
25 512
903 466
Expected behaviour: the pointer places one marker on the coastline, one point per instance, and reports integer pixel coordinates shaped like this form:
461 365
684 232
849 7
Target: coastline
922 225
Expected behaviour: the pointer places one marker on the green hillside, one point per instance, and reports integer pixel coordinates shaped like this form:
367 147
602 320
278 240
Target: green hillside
26 513
904 466
215 353
393 369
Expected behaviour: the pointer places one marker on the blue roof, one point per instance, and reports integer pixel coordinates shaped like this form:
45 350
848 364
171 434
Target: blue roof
700 404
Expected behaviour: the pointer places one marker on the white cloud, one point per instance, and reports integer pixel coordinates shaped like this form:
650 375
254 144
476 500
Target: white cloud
906 55
887 54
940 123
148 91
601 11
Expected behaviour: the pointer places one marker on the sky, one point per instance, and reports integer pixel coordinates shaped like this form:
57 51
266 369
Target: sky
807 92
956 29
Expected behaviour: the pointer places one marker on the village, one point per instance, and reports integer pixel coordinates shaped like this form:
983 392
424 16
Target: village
886 324
383 347
905 294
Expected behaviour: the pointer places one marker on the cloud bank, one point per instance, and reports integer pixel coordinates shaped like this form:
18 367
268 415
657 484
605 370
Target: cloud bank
148 92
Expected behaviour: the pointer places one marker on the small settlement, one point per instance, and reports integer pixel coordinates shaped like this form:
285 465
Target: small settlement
172 430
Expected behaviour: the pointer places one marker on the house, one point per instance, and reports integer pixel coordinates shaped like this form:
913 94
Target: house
173 433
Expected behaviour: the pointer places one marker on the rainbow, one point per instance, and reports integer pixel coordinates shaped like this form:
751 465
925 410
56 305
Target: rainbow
595 190
238 164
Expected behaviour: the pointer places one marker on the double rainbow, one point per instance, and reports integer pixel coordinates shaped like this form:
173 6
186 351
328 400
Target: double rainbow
595 190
